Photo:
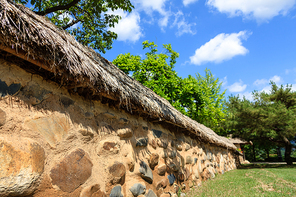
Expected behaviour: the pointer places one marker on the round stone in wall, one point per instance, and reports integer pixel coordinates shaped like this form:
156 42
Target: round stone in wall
21 166
72 171
2 117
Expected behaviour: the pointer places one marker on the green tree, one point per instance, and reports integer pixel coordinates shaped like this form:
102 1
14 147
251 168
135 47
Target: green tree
87 20
197 97
271 116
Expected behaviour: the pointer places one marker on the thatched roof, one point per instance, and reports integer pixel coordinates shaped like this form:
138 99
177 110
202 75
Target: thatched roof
80 69
240 141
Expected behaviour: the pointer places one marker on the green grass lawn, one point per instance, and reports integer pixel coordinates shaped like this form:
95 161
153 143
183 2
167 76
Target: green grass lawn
251 180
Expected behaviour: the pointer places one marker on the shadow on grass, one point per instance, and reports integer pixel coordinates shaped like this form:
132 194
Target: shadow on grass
269 165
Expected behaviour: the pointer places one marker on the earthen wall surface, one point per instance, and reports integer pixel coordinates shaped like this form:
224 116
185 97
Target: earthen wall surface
56 144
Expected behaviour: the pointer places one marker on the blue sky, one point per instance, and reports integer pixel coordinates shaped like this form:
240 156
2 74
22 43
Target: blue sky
245 43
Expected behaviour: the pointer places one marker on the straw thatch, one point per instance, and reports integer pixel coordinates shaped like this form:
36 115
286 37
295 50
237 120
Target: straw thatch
80 69
240 141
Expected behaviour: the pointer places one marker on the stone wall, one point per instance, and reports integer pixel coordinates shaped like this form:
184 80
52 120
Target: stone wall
56 144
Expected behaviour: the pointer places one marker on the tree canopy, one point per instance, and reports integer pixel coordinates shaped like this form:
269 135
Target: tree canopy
197 97
269 117
87 20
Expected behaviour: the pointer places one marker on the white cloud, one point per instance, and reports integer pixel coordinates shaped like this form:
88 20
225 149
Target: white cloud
182 25
259 82
187 2
276 79
237 87
260 10
247 95
222 47
150 6
128 28
224 81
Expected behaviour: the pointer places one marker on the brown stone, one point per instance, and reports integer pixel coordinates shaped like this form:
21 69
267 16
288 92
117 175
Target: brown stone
161 169
2 117
117 170
90 190
153 160
125 133
21 165
153 143
109 145
181 177
52 128
187 173
162 184
106 129
72 171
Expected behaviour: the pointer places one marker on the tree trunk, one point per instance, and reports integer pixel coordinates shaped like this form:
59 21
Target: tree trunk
254 156
288 151
279 154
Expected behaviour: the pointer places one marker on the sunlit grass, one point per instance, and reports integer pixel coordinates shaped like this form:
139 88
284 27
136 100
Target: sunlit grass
251 182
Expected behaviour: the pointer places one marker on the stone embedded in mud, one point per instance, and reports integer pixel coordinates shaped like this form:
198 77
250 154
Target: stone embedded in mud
66 101
138 189
116 191
157 133
142 142
172 154
153 160
153 143
125 133
22 163
173 167
179 147
53 128
72 171
146 172
171 178
90 190
162 184
117 170
161 169
2 117
181 176
9 90
188 160
187 147
123 121
195 160
162 143
150 193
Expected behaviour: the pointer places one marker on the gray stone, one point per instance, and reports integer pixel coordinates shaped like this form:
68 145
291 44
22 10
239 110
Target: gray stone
2 117
145 128
150 194
142 142
146 172
171 178
195 160
89 115
172 154
116 191
157 133
138 189
188 160
9 90
66 101
21 166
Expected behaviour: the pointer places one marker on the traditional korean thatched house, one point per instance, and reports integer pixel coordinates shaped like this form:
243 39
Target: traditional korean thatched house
239 143
73 124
